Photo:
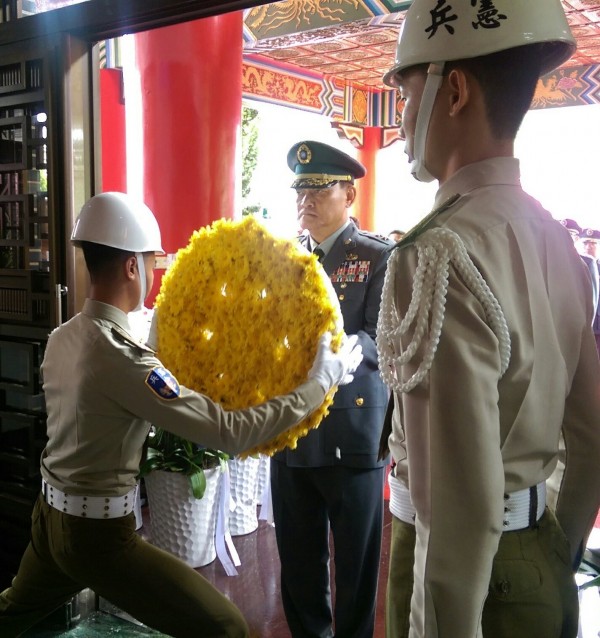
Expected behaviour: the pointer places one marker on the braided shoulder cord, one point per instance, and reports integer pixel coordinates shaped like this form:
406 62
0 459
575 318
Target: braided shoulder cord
436 249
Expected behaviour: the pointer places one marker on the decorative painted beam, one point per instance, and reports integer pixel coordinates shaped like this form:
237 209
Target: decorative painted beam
354 106
571 86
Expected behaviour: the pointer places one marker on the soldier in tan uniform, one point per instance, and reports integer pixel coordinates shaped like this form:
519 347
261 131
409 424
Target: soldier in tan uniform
485 339
102 390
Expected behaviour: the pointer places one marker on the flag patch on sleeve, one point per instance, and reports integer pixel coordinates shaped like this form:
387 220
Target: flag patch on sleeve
163 383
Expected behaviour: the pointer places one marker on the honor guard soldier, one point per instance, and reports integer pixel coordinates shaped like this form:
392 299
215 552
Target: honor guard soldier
102 389
333 479
485 340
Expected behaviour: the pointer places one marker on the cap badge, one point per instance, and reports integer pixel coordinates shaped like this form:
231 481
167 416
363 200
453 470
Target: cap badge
304 154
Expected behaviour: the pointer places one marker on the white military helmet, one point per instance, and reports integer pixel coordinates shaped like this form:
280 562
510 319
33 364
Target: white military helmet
436 31
120 221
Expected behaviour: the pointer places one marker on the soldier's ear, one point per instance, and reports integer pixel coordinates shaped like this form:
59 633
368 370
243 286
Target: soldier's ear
460 87
130 267
350 195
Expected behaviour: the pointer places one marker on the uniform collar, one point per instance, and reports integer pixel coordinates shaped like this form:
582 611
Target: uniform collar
494 171
326 244
99 310
491 172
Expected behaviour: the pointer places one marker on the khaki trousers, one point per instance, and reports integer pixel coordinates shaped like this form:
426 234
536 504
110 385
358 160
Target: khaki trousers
532 591
68 553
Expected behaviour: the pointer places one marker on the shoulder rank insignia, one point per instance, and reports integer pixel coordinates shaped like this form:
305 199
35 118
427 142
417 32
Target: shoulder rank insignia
120 335
422 226
163 383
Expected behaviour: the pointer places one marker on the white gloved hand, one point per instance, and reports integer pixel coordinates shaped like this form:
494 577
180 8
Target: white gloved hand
330 368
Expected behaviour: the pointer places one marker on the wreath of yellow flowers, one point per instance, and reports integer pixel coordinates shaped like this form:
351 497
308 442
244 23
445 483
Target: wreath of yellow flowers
240 313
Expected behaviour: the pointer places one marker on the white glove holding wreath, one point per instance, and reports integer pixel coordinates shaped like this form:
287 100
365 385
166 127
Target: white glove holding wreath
331 369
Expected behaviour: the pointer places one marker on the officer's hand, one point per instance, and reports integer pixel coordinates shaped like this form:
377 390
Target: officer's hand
330 368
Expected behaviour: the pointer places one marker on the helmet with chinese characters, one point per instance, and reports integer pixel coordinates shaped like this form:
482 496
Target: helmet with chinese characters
447 30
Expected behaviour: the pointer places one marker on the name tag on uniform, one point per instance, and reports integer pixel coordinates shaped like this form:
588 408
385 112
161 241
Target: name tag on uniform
353 271
163 383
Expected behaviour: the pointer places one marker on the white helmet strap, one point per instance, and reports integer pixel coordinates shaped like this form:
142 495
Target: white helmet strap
435 74
142 272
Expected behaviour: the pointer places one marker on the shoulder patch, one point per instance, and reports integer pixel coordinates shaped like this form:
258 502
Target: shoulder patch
122 336
163 383
380 239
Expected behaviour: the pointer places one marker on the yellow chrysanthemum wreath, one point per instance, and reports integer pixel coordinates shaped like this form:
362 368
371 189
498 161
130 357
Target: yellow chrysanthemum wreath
239 317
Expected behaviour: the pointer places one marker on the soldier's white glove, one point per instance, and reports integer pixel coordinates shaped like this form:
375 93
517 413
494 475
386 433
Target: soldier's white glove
330 368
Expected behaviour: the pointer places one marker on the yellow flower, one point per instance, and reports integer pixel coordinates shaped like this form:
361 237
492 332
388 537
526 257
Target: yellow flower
240 313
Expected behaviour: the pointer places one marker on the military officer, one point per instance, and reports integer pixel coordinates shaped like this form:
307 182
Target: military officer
333 480
485 339
590 238
102 389
583 240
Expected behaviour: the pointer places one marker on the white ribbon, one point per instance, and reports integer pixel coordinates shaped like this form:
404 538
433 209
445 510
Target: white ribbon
223 540
266 502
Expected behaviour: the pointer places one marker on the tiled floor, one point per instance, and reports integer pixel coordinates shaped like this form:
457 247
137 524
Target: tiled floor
256 592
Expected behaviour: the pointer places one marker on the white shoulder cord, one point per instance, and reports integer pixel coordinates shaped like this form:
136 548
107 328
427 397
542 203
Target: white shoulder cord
436 248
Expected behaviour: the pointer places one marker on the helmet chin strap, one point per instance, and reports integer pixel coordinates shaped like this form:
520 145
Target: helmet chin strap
435 74
142 272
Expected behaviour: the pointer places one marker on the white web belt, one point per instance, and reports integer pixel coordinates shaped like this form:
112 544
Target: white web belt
522 508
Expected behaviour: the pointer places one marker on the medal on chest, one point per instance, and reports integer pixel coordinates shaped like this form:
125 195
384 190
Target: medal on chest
352 270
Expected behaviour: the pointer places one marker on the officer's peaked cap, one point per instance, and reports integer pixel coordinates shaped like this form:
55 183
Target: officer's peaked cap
571 224
318 165
590 233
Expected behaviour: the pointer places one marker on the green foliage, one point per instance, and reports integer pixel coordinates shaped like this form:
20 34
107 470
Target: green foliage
249 147
171 453
595 582
250 210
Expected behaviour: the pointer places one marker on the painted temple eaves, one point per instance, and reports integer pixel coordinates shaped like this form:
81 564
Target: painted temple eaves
328 57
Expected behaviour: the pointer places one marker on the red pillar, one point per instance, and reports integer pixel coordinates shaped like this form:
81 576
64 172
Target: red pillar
365 187
112 126
191 111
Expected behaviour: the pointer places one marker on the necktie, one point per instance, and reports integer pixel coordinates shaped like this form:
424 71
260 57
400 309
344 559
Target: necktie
319 253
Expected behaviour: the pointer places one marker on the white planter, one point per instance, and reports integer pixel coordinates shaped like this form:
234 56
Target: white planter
180 523
244 476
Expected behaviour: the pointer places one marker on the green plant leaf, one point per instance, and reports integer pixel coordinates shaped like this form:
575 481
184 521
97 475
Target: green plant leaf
198 481
595 582
171 453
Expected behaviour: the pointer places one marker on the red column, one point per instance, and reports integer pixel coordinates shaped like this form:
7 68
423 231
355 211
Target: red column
365 187
112 126
191 111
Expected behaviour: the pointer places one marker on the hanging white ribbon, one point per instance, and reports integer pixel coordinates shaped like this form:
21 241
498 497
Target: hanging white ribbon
266 502
223 539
